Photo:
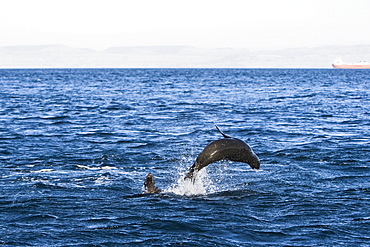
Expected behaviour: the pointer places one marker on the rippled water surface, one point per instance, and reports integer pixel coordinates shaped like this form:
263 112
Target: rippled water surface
76 145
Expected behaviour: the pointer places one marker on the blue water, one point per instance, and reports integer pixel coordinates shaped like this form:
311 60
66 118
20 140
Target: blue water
76 145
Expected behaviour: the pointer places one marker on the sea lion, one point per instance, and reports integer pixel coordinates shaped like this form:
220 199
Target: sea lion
232 149
149 185
229 148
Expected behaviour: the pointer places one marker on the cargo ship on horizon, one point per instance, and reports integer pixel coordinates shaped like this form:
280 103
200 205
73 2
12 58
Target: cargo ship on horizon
339 64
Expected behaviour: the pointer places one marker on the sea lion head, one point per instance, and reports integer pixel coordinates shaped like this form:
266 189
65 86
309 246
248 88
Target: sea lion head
149 184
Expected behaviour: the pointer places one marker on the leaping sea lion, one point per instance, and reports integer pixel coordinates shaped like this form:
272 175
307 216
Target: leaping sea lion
229 148
232 149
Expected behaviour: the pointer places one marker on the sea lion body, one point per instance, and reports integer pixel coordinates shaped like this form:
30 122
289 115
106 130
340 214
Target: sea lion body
232 149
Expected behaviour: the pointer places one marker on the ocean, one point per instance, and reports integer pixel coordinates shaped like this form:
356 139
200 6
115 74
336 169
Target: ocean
76 145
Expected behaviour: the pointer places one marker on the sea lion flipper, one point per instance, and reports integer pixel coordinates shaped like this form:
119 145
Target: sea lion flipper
190 173
222 133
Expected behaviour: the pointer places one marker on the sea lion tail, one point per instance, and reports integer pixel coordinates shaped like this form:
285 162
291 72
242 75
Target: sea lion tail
222 133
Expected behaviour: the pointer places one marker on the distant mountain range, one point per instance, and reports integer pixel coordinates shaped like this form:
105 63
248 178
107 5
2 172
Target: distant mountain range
61 56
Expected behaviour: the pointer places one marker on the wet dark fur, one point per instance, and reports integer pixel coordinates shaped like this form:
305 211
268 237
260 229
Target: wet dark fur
228 148
149 185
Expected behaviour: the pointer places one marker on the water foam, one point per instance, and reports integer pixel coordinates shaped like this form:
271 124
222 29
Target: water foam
186 187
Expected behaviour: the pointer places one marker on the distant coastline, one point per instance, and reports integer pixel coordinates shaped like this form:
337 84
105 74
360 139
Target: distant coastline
61 56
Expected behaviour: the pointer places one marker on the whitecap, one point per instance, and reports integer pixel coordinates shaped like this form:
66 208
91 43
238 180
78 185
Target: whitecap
42 170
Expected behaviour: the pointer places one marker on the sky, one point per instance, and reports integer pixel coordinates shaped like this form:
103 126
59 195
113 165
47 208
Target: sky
253 25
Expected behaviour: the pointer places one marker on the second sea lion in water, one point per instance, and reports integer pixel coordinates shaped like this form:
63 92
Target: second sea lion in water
149 185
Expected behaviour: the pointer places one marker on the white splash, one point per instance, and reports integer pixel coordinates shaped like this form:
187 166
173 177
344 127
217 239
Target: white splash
185 187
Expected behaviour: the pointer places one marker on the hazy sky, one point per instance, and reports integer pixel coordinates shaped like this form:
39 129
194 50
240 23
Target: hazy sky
255 25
